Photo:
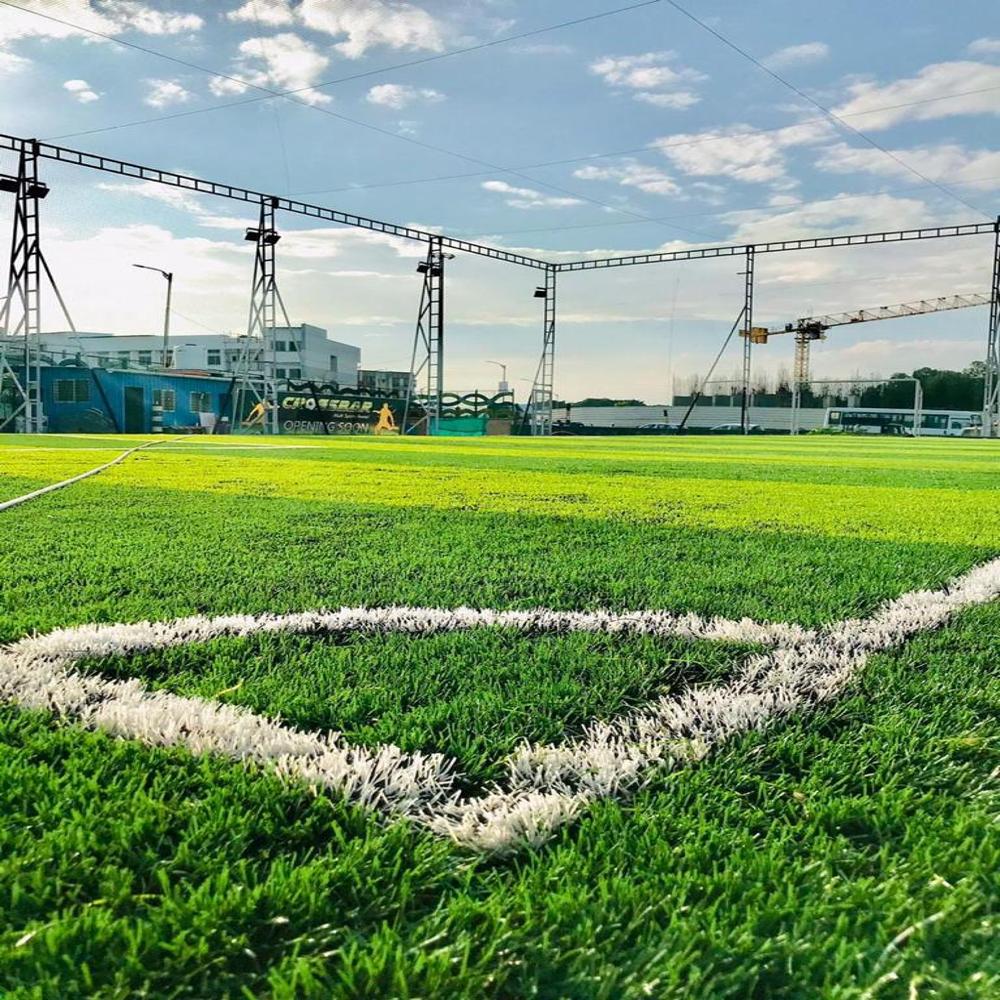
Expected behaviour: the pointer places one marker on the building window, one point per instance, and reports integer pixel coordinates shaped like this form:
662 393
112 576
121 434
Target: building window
333 364
145 358
279 372
214 357
295 373
123 357
72 390
280 346
201 402
165 398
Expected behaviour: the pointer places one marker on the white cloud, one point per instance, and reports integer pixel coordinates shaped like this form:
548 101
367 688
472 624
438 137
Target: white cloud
398 96
11 63
174 197
945 163
630 173
363 24
797 55
837 214
81 91
164 93
678 100
274 14
520 197
147 20
934 81
985 47
283 62
739 152
543 49
112 17
652 78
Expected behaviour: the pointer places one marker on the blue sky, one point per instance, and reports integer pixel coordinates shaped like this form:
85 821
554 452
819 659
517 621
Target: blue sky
666 137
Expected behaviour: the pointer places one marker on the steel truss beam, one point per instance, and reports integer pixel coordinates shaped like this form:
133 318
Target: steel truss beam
815 243
539 408
428 340
109 165
991 386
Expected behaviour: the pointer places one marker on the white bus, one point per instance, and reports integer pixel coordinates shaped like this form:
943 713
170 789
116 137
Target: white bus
880 420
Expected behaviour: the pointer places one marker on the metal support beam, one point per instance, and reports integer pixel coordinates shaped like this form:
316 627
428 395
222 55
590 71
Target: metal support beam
747 339
427 359
108 164
778 246
255 399
540 404
991 387
24 297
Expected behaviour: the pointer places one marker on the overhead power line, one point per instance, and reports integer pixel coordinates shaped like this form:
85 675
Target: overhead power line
268 94
826 111
289 95
647 149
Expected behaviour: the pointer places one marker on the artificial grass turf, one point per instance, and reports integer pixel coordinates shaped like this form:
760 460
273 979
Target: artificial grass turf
782 867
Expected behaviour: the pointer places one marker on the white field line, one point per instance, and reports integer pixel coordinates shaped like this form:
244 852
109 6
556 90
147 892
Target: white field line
545 785
17 501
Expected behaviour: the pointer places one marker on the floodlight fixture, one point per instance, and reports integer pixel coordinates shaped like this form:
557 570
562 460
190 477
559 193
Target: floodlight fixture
35 189
269 237
541 292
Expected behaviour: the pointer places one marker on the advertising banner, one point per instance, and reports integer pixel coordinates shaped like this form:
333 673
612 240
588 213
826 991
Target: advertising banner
305 408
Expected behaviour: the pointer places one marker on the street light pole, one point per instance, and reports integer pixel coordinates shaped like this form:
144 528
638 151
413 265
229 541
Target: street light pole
503 374
169 276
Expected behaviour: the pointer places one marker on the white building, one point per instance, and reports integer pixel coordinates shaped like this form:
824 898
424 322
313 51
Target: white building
299 352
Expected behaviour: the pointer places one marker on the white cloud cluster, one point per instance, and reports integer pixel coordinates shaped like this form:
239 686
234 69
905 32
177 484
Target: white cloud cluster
740 152
797 55
398 96
527 198
975 86
165 93
281 62
947 163
985 47
81 91
631 173
362 25
77 18
650 78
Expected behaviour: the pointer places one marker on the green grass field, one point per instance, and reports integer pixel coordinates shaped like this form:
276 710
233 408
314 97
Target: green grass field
847 852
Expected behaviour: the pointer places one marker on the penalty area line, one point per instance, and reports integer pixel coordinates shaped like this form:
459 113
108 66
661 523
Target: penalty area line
545 785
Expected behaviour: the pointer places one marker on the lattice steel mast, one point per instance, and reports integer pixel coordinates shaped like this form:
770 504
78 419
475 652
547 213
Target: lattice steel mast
27 266
427 359
539 407
991 387
256 388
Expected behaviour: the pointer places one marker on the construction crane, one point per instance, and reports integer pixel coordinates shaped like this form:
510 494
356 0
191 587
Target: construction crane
810 328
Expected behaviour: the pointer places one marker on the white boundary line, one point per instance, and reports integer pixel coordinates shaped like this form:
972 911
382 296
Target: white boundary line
17 501
545 785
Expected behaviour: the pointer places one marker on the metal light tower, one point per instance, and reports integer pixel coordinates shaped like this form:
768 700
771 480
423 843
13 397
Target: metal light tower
540 403
256 385
24 290
991 388
428 338
747 339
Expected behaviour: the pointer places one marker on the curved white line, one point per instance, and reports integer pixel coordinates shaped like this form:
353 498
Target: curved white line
545 785
17 501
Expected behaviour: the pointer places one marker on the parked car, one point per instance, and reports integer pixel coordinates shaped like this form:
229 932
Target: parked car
658 428
736 429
